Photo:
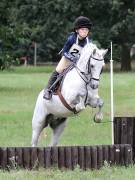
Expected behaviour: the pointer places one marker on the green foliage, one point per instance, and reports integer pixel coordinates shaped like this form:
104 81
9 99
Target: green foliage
122 29
49 22
7 47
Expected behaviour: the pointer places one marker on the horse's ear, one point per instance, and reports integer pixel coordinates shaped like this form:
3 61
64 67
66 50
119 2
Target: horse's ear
94 51
105 51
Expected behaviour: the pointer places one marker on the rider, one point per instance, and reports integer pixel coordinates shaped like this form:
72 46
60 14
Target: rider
71 51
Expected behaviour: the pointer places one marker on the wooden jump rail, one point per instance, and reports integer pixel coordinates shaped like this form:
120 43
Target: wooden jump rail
86 157
124 131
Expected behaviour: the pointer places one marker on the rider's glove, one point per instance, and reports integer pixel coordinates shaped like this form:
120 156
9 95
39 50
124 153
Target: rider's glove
70 57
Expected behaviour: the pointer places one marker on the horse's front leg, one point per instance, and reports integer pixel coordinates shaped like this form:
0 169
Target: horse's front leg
98 117
80 106
95 101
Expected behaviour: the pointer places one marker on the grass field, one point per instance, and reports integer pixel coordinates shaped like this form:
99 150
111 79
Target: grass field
18 92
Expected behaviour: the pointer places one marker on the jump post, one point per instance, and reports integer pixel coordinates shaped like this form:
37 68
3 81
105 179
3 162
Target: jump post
124 132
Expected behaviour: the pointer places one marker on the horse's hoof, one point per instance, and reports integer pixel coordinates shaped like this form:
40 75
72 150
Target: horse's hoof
98 118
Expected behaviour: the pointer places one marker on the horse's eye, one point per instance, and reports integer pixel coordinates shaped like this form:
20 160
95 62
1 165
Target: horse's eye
92 66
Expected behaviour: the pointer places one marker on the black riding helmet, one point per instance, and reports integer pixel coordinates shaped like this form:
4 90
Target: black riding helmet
82 22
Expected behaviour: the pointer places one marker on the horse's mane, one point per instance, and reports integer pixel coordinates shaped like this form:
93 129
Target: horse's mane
87 51
89 48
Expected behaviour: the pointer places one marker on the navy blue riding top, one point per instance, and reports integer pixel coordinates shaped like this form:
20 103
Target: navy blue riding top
73 39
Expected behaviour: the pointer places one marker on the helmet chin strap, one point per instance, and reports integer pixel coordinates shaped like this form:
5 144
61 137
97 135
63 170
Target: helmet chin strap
77 38
77 42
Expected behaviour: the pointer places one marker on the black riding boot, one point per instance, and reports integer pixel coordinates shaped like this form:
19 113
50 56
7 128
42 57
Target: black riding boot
51 86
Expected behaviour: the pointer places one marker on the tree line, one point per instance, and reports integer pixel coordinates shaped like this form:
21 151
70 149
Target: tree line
48 22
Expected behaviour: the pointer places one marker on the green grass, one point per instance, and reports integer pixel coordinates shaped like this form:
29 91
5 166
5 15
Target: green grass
106 173
30 69
18 92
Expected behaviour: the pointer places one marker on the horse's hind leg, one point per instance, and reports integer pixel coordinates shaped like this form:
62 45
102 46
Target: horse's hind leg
58 127
35 136
38 121
36 130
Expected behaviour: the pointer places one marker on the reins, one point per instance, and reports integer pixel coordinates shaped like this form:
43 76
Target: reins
84 75
65 102
85 78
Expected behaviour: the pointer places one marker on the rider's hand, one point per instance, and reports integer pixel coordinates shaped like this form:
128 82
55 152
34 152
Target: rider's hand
71 57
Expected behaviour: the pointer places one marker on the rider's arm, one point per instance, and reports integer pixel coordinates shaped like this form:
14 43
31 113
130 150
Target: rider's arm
68 44
70 57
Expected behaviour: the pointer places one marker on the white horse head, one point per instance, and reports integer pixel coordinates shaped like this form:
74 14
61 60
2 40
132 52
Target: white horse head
91 62
75 92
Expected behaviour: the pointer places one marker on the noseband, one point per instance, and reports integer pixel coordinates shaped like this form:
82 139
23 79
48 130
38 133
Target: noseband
84 75
89 69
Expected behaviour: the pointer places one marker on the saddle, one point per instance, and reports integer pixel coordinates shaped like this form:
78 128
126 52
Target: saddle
58 85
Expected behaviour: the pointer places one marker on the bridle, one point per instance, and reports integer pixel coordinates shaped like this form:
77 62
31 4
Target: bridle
85 76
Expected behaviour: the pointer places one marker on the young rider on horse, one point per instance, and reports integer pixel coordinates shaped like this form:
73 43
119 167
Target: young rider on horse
71 51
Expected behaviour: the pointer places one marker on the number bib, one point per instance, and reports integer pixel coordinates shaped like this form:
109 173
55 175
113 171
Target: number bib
75 50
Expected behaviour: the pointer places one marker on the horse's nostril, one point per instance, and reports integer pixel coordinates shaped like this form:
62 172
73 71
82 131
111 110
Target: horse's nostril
93 86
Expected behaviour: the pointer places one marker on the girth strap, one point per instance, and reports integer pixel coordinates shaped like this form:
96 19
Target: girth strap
65 103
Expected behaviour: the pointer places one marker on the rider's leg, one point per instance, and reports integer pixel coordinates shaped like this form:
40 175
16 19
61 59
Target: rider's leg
49 89
63 63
